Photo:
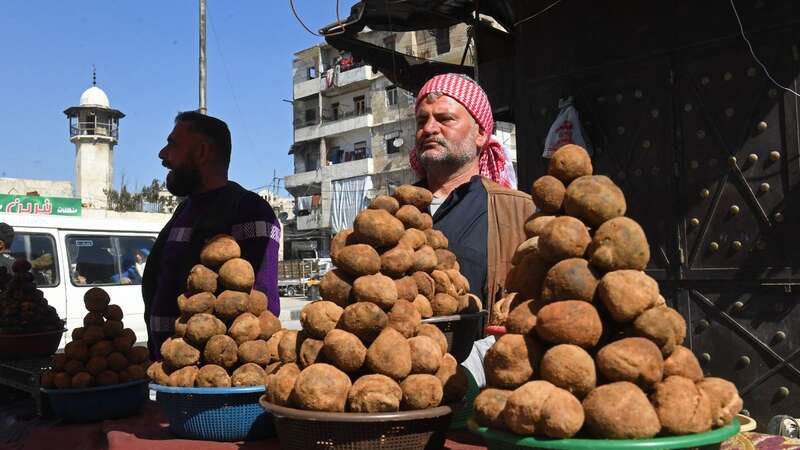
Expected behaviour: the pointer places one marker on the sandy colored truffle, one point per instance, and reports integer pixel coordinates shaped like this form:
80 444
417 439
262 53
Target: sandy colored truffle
421 391
404 318
268 324
570 162
489 406
272 345
321 387
257 302
249 374
201 327
201 302
618 244
569 322
212 375
425 284
594 199
342 239
413 239
411 217
378 289
344 350
390 355
406 288
620 411
444 305
397 261
358 260
548 193
445 259
336 286
681 406
423 305
522 319
184 377
320 317
310 352
542 408
386 203
682 362
177 353
281 385
245 328
511 361
627 293
426 355
723 398
374 393
528 247
635 359
157 374
436 239
569 367
222 351
230 304
570 279
432 331
413 195
201 279
365 320
424 259
535 225
664 326
218 250
289 346
254 352
503 307
237 275
377 228
564 237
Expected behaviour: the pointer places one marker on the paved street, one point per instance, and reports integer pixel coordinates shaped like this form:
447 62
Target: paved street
290 311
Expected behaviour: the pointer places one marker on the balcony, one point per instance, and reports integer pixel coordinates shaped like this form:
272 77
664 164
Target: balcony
298 183
334 124
312 221
307 87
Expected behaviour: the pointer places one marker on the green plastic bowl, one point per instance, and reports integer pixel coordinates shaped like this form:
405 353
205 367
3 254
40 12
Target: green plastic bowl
501 440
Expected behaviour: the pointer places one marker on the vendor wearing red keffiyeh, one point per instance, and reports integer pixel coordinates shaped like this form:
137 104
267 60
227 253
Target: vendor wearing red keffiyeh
467 171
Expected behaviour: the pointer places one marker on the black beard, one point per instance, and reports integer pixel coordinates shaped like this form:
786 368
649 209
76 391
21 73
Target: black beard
183 181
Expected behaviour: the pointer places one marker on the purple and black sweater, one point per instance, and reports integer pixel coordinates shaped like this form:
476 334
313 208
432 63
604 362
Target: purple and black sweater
254 226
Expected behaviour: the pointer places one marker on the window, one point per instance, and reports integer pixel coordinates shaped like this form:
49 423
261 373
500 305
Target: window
107 260
335 111
391 96
311 72
40 250
311 116
360 105
442 36
335 154
360 150
392 141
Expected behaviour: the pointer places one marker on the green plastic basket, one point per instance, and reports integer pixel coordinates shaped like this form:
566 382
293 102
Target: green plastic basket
501 440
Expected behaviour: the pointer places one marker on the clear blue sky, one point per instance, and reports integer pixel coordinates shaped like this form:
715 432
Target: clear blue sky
146 54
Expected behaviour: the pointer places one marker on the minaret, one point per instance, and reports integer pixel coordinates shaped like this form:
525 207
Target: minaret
94 129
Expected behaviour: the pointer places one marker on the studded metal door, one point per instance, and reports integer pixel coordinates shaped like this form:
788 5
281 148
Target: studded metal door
705 148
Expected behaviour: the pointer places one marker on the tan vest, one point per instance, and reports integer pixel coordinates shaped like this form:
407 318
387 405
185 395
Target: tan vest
508 210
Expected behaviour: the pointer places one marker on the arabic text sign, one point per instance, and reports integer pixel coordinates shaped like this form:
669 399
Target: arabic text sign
41 206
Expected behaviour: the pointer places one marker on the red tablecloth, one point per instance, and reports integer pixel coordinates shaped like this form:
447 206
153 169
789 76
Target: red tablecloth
148 430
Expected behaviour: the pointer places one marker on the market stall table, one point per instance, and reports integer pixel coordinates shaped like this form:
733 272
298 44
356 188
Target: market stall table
149 430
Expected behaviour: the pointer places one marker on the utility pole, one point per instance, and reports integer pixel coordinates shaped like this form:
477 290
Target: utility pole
203 108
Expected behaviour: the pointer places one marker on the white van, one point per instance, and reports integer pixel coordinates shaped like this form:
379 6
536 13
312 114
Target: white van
59 246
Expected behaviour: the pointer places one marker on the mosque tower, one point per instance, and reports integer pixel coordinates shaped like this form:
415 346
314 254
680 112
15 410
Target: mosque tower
94 129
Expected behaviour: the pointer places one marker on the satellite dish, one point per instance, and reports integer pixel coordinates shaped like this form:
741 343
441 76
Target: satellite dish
398 142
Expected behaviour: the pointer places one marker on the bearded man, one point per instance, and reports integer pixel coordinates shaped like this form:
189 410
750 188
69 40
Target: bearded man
198 153
470 178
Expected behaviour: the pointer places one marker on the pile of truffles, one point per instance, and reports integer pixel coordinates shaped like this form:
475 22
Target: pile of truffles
362 359
23 308
392 253
101 352
225 336
591 346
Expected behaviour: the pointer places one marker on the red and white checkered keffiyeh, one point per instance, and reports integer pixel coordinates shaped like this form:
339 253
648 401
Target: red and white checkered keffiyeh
492 160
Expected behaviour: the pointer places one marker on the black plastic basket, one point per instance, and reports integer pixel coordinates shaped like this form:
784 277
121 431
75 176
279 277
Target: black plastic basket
461 331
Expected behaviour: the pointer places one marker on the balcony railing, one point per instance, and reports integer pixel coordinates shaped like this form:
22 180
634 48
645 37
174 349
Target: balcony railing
330 116
109 129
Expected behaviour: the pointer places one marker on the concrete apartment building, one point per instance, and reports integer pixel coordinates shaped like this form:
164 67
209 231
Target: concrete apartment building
353 131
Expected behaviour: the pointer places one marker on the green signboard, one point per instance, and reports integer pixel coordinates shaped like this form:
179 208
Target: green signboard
40 206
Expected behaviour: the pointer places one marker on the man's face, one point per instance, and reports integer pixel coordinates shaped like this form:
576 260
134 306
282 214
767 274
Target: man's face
179 155
447 135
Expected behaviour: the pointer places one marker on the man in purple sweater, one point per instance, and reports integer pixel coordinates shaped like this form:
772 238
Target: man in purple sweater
197 154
